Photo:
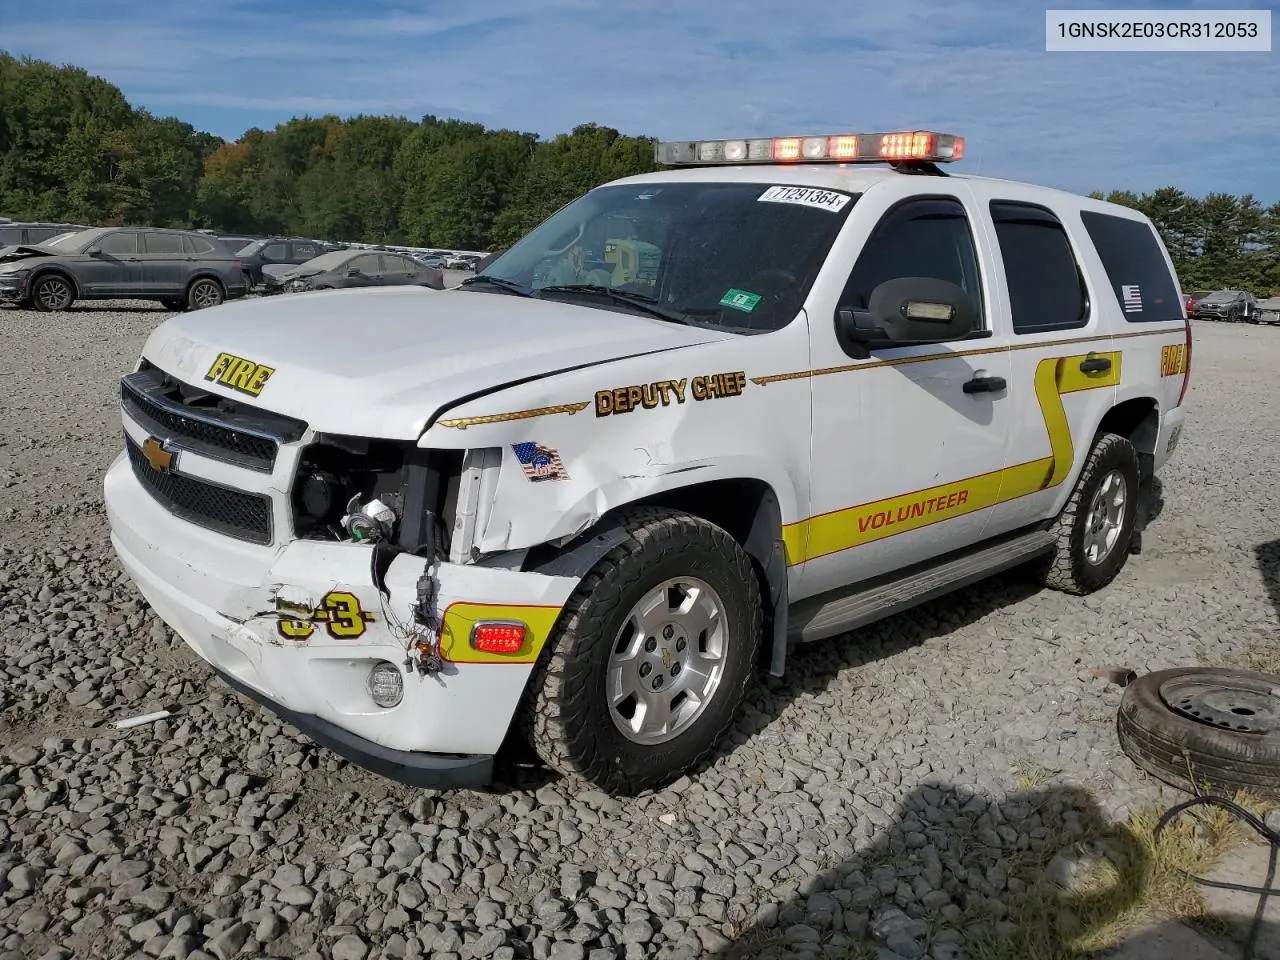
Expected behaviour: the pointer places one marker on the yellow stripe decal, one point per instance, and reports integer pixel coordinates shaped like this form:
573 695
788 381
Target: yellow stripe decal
459 618
868 522
461 423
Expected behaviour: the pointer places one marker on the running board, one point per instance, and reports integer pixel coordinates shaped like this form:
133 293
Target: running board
839 611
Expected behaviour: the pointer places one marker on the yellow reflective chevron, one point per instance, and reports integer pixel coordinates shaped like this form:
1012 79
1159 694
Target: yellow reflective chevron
868 522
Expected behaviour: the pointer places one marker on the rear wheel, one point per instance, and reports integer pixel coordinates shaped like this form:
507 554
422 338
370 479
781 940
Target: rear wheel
204 293
652 656
1095 529
51 293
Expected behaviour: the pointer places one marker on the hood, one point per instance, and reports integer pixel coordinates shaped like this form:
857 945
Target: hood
384 362
19 251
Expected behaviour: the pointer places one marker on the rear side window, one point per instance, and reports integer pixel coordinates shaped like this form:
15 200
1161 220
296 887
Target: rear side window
10 235
163 243
1046 288
1135 265
196 245
305 251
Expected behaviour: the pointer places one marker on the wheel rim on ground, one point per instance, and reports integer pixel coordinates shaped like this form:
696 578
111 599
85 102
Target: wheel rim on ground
667 661
1106 517
1222 703
205 295
54 293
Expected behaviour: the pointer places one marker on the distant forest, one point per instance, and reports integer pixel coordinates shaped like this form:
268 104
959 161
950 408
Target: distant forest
72 148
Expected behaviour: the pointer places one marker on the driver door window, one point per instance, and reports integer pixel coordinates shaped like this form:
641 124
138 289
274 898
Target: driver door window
920 238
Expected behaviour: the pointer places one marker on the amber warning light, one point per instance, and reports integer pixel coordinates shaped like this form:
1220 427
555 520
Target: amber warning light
922 145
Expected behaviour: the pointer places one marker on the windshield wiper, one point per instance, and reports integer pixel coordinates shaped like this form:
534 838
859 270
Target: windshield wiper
509 285
638 301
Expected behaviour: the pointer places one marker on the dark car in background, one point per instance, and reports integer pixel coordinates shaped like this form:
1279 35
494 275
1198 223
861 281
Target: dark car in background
1232 305
1193 298
180 268
14 234
347 269
294 251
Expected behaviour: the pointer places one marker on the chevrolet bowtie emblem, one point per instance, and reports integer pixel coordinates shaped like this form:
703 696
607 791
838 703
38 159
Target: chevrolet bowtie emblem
159 458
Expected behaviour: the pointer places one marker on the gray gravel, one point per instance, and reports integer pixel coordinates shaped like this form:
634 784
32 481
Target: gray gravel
887 799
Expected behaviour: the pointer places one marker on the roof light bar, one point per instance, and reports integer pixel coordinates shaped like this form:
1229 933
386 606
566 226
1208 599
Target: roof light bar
922 145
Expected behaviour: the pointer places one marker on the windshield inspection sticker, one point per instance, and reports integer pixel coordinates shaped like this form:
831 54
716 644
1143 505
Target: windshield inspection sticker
828 200
740 300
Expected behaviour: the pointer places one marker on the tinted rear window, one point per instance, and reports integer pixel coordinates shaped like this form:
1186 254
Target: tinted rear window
1046 291
1139 276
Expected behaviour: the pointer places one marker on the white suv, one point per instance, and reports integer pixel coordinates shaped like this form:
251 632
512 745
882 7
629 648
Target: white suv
772 393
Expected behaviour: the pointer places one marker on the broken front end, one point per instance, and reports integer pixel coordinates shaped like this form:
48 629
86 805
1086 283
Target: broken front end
333 579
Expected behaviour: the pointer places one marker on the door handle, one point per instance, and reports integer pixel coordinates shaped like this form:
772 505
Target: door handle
985 385
1095 364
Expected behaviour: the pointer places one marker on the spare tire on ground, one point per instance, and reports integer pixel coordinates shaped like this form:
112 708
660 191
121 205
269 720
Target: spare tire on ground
1205 729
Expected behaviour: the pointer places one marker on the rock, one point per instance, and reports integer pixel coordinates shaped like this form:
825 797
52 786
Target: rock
350 947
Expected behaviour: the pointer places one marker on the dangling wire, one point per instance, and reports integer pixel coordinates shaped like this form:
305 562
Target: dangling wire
1264 892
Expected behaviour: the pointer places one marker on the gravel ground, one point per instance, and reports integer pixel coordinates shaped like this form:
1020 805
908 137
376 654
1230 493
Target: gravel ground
886 799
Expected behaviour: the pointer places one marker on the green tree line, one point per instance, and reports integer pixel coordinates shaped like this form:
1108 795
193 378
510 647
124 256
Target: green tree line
72 148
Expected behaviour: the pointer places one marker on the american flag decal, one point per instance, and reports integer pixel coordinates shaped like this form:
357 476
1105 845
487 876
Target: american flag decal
1132 295
539 462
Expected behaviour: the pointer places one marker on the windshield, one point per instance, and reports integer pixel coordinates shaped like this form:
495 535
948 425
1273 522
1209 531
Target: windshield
741 256
251 249
81 241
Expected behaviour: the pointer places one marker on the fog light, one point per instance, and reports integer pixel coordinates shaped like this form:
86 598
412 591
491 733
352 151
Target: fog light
386 685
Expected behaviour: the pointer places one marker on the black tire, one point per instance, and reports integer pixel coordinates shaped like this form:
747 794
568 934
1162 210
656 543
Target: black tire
52 292
1203 755
565 716
1068 568
204 293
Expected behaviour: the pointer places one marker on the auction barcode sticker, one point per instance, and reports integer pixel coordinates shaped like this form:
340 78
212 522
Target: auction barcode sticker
1158 31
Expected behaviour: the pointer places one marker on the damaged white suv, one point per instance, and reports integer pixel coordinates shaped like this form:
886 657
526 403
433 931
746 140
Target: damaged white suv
779 390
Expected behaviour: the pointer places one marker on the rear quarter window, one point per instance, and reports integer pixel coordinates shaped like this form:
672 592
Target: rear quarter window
1130 252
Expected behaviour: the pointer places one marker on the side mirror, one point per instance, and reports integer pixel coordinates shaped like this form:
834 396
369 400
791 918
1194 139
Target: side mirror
353 271
94 251
907 311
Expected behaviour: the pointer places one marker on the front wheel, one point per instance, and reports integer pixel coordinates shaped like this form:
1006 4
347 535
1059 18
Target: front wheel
651 658
52 293
205 293
1095 529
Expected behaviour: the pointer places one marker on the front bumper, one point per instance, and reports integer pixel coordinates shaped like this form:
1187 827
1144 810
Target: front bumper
12 289
298 626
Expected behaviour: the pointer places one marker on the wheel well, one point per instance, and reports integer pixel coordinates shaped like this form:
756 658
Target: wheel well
746 509
59 272
1138 420
205 276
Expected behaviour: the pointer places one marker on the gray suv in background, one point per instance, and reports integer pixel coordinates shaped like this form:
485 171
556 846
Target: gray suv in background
180 268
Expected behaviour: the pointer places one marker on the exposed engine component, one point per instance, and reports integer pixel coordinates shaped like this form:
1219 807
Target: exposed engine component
371 522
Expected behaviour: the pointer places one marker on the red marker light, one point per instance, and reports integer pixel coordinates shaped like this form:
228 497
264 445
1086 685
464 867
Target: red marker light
500 638
788 148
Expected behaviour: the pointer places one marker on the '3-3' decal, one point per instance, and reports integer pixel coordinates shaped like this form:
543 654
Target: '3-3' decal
339 612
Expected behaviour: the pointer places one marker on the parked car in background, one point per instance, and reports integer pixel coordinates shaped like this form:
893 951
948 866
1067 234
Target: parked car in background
1268 311
1232 305
435 260
346 269
294 251
182 269
1193 298
13 233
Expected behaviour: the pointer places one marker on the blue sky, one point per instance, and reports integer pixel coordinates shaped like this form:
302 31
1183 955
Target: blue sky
685 69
